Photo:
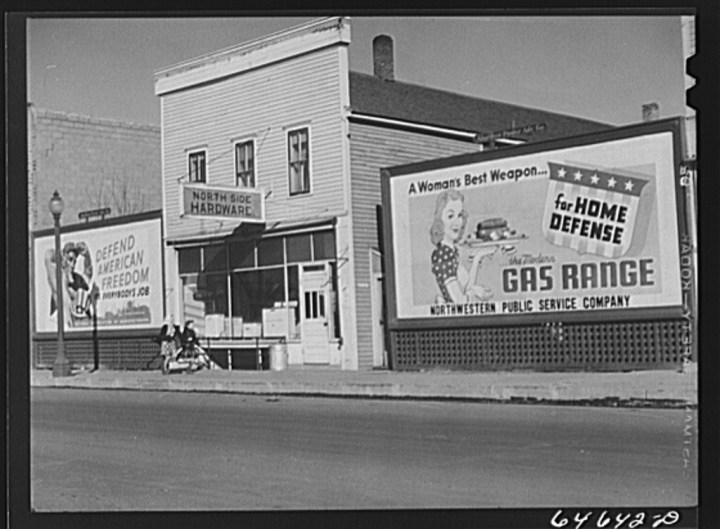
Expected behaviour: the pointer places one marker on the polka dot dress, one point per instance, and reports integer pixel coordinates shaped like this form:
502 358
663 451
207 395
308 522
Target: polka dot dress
445 262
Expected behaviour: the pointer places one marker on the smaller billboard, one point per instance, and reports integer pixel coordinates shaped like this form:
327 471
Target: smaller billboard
247 205
120 266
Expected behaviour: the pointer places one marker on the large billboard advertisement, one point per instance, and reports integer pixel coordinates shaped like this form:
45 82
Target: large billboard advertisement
564 232
119 265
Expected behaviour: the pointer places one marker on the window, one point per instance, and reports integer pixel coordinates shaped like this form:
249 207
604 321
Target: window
245 164
214 258
254 290
270 251
298 248
299 161
334 308
189 260
242 254
211 289
324 245
197 167
202 295
263 273
293 281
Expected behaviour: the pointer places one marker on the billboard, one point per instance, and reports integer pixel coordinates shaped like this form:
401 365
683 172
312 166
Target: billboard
573 229
119 265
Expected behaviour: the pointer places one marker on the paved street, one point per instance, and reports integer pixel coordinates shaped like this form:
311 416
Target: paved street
136 450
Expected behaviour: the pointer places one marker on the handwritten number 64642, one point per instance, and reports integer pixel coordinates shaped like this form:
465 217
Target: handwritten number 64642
616 520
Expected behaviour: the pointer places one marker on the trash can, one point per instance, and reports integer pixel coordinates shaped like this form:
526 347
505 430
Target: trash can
278 356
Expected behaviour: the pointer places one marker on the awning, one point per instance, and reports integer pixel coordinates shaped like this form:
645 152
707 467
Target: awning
248 231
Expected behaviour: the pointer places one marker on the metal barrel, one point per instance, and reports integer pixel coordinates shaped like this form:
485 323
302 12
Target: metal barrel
278 357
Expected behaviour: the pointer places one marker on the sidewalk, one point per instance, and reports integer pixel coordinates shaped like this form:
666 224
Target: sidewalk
638 388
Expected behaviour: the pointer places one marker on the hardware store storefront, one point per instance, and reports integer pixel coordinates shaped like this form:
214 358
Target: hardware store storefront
267 285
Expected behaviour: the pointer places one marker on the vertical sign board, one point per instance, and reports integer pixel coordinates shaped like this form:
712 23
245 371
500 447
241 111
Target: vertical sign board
581 229
120 264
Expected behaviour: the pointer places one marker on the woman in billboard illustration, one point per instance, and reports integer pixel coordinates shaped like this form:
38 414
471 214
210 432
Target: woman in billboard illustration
457 285
77 275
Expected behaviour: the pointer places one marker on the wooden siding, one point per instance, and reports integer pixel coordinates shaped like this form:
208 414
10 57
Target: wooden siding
262 104
372 148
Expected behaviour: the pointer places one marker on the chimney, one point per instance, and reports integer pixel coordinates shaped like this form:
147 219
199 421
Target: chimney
650 112
383 63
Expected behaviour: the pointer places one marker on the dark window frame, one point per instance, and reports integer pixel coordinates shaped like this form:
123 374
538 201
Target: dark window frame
299 161
242 260
245 165
197 166
214 258
270 251
298 248
324 245
189 260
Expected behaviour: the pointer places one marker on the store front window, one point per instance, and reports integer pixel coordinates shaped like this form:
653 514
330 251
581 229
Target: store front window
323 245
214 258
204 287
299 248
204 295
254 290
242 254
238 282
189 260
270 252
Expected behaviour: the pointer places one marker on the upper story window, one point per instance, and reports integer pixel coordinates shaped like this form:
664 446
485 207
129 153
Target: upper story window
299 160
245 164
197 167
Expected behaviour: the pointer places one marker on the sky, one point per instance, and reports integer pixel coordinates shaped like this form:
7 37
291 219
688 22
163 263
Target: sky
599 68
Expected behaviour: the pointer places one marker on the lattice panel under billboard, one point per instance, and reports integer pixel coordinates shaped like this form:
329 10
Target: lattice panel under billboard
617 346
114 353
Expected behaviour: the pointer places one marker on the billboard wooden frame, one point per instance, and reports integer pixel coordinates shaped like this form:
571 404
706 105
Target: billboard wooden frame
672 125
77 335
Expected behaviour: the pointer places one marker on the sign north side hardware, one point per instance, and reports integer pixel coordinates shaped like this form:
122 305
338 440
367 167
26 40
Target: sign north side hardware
247 205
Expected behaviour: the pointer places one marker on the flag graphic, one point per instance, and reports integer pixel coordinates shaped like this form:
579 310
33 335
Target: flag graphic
591 210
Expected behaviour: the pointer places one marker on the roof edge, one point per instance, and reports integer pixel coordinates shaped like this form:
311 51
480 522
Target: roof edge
266 50
108 122
484 100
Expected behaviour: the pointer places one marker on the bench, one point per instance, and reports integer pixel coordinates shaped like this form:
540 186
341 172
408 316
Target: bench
254 345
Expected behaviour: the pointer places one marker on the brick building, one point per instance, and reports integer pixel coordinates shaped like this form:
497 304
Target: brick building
93 163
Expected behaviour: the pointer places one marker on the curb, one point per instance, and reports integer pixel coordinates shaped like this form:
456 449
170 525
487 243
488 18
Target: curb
682 394
600 402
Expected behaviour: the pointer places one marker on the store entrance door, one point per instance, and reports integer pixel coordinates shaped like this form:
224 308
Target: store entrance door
314 314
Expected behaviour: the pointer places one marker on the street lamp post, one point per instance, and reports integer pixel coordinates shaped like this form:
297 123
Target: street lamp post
61 367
